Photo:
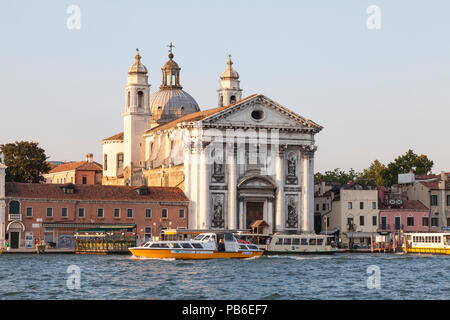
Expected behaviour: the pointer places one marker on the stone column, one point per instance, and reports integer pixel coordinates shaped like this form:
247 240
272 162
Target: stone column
270 214
194 213
241 213
279 179
307 218
203 187
232 186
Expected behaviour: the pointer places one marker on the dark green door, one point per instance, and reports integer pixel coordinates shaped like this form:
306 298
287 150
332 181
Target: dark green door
14 240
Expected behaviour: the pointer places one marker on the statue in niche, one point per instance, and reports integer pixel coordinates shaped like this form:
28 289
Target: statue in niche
292 213
217 221
291 177
218 174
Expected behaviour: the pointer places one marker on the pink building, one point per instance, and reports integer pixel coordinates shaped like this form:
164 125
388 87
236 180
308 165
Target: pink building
54 212
396 213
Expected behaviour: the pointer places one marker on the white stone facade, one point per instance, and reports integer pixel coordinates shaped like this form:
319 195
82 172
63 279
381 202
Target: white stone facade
245 160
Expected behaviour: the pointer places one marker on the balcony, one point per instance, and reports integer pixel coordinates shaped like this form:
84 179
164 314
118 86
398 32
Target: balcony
14 217
351 227
384 227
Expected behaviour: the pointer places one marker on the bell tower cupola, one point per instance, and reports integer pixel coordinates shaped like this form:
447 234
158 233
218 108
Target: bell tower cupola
229 91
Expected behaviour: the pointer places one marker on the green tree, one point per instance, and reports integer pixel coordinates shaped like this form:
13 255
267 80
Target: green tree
373 175
25 160
419 164
337 175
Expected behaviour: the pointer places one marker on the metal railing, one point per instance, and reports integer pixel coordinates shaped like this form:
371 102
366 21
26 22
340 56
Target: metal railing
14 217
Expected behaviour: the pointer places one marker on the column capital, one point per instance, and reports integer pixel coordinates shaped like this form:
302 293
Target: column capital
282 148
308 150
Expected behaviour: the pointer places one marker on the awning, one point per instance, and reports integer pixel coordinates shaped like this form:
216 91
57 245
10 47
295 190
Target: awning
103 227
329 231
169 231
360 234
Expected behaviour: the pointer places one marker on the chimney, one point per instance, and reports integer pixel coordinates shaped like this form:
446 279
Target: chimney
90 157
443 180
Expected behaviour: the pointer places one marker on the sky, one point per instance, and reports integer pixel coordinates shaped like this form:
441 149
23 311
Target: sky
376 92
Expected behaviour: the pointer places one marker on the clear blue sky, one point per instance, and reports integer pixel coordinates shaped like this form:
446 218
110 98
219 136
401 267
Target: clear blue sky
376 92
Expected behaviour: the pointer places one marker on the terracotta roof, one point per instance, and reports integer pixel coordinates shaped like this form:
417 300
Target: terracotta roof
81 165
407 205
92 192
118 136
196 116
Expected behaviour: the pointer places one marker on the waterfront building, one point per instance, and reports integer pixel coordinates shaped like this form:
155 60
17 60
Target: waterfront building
353 213
244 160
400 214
54 212
81 172
434 193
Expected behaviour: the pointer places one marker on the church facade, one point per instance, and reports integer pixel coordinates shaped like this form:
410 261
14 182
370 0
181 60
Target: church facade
245 160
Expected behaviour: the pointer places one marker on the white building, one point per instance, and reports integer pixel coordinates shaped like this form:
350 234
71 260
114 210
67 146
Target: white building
247 159
2 204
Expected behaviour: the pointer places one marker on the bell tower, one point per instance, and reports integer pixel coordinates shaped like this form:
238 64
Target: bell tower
136 118
229 91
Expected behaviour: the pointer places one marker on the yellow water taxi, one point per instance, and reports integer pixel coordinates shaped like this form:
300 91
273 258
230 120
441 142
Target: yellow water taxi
203 246
434 243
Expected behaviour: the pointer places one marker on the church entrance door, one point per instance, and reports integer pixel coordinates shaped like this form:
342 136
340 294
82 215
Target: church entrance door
255 211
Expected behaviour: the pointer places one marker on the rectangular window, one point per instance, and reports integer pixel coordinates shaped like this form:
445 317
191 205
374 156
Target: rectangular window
317 207
361 205
349 221
425 221
116 213
434 222
100 212
148 213
81 212
181 213
84 180
374 220
383 223
29 212
361 220
397 223
349 205
164 213
448 200
49 212
64 212
374 205
410 221
129 213
324 206
433 200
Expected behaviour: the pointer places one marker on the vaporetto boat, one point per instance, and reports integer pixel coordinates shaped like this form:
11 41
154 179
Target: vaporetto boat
300 244
203 246
434 243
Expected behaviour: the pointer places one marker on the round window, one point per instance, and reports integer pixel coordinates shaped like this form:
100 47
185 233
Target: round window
257 114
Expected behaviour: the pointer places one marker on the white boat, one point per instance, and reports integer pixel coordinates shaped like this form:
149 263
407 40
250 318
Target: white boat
435 243
300 244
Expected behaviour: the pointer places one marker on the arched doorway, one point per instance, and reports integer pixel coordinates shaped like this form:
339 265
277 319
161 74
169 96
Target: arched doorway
14 230
256 197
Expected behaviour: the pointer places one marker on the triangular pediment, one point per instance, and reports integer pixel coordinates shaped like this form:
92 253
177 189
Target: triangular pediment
260 111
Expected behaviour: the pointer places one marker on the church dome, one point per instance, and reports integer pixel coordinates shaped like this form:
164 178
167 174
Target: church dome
170 104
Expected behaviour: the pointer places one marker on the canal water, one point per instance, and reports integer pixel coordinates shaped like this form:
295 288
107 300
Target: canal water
339 276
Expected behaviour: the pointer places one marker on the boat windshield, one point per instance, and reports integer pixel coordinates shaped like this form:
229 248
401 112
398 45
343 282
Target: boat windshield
199 237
